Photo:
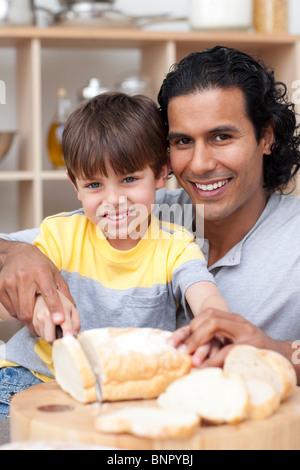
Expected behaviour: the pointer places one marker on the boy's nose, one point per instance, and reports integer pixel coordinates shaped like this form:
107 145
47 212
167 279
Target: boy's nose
115 199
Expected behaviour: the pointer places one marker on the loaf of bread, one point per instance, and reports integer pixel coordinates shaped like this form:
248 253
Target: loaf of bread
152 423
261 364
129 363
211 394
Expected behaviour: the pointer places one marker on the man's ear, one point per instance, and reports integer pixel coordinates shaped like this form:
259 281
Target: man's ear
163 176
268 139
73 184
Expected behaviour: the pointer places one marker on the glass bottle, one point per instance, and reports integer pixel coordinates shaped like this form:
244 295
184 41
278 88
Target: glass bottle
63 108
271 16
134 85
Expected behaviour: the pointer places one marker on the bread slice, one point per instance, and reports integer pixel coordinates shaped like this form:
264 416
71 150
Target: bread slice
152 423
133 363
262 364
264 400
211 394
72 370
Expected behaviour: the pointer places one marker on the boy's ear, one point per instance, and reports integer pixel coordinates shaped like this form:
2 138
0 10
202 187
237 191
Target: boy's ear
163 176
74 185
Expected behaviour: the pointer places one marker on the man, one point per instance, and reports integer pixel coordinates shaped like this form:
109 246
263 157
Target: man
233 147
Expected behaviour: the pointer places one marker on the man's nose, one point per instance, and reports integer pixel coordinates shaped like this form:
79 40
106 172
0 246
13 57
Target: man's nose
202 159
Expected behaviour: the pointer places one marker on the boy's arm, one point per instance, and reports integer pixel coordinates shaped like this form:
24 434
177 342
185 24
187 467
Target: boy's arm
200 297
203 295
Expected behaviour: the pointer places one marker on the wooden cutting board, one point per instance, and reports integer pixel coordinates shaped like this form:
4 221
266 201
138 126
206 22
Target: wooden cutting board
45 412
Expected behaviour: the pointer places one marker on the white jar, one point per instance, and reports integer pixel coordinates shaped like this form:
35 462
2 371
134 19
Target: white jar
221 14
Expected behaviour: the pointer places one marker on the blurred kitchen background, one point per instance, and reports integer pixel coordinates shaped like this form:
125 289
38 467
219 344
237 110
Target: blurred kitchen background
72 69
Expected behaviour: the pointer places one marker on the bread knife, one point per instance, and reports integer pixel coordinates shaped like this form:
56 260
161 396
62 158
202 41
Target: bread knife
59 334
98 389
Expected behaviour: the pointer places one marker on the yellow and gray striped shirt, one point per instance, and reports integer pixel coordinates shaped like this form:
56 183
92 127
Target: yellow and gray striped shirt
142 287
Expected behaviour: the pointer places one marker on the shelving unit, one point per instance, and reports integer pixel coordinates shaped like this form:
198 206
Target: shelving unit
158 52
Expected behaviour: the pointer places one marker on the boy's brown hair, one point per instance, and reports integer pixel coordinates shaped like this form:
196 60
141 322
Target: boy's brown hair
127 132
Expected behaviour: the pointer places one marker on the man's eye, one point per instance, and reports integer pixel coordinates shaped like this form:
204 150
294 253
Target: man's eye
222 137
184 141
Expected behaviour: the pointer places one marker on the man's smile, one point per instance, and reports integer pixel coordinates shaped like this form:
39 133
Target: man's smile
212 188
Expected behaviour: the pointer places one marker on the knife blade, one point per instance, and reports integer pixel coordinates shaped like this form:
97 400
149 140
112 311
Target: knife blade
98 389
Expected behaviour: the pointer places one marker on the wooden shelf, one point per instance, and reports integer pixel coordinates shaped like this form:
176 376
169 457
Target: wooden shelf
158 50
17 176
15 35
55 175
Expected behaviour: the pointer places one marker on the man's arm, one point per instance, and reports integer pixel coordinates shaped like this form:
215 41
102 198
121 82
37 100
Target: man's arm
24 273
231 329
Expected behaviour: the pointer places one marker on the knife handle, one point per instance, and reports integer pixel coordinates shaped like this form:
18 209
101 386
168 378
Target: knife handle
58 332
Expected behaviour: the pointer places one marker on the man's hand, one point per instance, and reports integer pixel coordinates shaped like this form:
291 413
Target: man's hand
24 273
227 328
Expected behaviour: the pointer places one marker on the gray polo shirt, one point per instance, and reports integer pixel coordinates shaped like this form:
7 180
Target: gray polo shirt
260 276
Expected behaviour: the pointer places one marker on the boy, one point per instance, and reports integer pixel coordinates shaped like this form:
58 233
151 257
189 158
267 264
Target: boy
123 266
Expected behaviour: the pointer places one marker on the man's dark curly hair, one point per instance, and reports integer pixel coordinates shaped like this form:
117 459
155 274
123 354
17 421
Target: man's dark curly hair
266 102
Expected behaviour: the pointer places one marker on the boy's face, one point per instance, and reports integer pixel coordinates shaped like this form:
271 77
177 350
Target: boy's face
121 204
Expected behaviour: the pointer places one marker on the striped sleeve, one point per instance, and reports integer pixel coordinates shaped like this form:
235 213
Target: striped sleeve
188 268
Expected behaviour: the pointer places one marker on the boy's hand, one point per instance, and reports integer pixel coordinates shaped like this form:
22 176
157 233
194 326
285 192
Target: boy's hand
199 354
44 325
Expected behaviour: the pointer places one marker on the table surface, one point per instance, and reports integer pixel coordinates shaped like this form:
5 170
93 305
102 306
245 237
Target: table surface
4 432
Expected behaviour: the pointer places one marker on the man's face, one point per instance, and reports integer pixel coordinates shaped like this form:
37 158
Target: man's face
214 151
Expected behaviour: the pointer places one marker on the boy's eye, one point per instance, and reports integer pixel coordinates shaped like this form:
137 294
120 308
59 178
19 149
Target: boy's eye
94 185
129 179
